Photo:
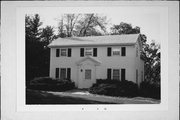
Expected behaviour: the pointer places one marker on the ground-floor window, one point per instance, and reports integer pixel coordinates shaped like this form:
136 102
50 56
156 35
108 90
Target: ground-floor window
116 74
63 73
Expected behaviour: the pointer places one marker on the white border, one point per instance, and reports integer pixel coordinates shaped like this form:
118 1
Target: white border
14 104
163 12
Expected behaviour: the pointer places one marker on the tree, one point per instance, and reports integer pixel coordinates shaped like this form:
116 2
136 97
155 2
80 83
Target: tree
88 25
81 25
66 27
47 35
124 28
151 55
150 52
37 53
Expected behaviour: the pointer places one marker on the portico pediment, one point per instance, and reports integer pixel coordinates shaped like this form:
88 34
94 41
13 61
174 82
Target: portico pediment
88 60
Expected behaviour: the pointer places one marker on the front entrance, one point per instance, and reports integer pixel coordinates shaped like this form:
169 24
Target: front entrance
86 76
87 72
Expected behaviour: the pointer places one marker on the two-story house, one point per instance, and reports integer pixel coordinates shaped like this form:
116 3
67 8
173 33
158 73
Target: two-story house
85 59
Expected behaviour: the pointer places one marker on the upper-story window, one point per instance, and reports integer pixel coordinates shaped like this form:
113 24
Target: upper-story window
88 52
63 52
116 52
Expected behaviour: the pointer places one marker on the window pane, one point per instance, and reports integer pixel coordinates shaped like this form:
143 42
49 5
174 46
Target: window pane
87 74
116 51
89 51
63 52
63 73
116 74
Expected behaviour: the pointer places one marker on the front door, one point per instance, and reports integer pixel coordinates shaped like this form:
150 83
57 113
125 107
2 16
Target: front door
86 76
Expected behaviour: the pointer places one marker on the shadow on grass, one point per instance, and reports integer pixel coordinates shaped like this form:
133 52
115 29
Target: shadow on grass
39 97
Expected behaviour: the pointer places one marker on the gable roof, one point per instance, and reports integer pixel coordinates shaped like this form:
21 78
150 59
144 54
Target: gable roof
127 39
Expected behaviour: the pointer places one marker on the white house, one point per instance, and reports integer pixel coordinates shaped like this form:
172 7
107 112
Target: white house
85 59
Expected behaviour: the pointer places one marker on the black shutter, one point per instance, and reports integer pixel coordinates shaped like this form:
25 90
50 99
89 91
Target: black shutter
57 73
108 51
68 73
95 52
82 52
123 74
69 52
57 52
123 51
108 73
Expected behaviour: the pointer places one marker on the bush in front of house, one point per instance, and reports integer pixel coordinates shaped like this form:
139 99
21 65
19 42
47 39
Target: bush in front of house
148 89
114 88
50 84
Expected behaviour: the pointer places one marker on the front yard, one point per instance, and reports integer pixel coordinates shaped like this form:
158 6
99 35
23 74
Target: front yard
80 97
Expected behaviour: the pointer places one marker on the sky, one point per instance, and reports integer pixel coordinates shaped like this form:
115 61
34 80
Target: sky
147 18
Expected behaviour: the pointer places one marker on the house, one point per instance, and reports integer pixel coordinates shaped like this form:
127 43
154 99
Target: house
85 59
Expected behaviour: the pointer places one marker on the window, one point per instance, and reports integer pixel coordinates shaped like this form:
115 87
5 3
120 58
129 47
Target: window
88 51
123 51
116 52
63 73
116 74
87 74
63 52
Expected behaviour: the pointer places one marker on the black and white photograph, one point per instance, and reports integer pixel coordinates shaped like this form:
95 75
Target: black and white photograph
93 58
89 60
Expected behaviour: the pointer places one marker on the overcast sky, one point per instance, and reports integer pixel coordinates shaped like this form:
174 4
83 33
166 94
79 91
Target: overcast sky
147 18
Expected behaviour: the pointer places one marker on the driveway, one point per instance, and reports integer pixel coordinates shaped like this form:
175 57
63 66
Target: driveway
85 95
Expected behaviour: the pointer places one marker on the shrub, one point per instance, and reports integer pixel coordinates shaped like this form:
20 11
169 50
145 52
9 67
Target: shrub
50 84
114 88
148 89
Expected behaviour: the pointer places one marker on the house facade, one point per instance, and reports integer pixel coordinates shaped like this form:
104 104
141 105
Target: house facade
85 59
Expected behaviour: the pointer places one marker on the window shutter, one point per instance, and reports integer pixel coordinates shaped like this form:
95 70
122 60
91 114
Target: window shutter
108 73
95 52
57 52
108 51
68 73
69 52
82 52
123 51
57 73
123 74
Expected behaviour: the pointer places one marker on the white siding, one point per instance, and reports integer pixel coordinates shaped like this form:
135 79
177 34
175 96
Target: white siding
129 62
